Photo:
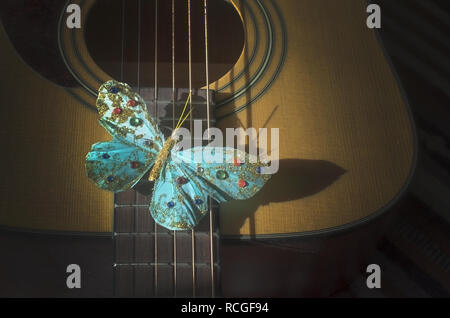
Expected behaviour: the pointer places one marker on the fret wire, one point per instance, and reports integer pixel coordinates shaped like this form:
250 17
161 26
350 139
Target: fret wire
202 119
177 104
181 103
181 264
130 205
167 234
211 215
155 94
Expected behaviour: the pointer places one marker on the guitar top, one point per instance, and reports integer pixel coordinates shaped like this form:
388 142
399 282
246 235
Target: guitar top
309 68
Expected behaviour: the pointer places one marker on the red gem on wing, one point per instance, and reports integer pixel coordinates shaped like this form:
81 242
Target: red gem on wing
134 164
181 180
242 183
237 162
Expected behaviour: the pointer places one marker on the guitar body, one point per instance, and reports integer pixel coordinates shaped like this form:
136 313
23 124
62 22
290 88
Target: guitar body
312 69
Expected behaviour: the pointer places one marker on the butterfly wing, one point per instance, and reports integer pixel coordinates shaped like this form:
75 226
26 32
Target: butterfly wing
123 113
180 195
177 204
237 175
116 166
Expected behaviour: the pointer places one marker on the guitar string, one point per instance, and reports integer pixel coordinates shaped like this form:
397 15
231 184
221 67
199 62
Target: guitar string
155 97
173 117
211 215
173 63
123 42
173 110
139 91
139 49
190 129
121 79
173 127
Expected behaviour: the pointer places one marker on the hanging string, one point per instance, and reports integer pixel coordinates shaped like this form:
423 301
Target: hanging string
155 98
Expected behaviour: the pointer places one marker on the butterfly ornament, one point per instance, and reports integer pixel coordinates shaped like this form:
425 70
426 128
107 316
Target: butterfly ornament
182 181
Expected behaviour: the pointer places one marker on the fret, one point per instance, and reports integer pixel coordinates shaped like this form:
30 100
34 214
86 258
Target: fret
131 205
170 264
178 104
169 119
129 247
179 234
134 235
142 205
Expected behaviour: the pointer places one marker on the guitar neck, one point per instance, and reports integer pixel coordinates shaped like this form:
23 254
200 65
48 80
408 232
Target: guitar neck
149 260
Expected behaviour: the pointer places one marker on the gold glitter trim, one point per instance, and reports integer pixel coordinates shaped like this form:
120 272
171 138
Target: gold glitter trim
161 159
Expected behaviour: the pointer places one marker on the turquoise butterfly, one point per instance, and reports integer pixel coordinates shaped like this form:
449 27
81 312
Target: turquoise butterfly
182 182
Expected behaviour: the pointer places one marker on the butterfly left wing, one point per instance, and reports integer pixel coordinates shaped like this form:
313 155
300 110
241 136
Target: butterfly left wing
236 176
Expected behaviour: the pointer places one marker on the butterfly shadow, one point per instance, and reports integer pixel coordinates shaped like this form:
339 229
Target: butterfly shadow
295 179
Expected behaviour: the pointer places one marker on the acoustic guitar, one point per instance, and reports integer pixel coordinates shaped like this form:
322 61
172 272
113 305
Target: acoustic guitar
312 69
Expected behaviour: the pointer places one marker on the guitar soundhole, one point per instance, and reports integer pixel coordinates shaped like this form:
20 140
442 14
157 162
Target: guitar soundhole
104 40
31 27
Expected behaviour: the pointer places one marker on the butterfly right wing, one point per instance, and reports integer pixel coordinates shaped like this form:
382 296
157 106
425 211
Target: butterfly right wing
177 204
115 166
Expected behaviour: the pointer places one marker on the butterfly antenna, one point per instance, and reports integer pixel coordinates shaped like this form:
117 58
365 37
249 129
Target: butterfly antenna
182 113
185 117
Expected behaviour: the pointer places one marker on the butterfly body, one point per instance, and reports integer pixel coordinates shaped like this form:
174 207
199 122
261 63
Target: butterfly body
184 180
161 159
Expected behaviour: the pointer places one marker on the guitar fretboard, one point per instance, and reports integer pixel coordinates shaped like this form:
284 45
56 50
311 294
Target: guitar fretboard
147 263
